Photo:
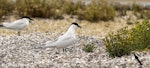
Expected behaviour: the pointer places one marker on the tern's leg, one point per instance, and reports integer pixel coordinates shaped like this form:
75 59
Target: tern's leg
18 33
57 51
64 50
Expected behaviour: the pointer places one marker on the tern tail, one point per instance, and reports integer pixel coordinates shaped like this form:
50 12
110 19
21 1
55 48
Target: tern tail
1 26
48 44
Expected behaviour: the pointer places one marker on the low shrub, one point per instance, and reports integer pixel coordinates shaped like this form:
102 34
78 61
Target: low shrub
121 9
145 14
96 11
6 7
137 7
72 8
126 40
38 8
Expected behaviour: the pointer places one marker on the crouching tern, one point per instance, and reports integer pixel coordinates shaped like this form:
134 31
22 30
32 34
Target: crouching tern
17 25
65 40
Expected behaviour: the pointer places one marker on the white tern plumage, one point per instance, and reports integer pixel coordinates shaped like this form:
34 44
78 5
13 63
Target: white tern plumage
65 40
17 25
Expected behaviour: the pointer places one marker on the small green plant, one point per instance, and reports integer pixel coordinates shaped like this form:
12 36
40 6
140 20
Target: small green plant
88 47
126 40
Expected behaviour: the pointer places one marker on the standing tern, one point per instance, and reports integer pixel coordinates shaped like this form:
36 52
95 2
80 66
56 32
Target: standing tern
17 25
65 40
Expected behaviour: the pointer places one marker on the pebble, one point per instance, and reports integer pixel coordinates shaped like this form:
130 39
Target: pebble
21 51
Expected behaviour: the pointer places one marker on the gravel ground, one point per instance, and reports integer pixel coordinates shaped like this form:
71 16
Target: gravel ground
23 52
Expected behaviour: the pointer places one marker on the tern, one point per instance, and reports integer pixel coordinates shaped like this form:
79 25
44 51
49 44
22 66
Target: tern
17 25
65 40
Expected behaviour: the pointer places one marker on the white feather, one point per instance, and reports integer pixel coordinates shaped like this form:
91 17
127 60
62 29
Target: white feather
17 25
65 40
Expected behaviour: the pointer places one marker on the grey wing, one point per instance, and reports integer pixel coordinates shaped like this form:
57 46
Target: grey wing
61 36
15 25
64 38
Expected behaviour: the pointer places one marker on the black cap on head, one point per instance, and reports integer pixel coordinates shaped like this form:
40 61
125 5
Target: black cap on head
76 24
27 17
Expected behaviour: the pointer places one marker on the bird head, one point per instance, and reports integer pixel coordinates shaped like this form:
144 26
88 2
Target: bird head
27 17
75 25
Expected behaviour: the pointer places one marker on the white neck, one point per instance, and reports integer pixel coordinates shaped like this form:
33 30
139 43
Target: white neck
26 20
71 30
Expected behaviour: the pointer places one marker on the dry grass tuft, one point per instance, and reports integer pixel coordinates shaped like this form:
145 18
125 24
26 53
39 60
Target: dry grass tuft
58 27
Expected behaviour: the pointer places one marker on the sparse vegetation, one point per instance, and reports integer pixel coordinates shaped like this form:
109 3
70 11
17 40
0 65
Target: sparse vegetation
126 40
136 7
95 11
38 8
73 8
143 12
88 47
6 7
121 9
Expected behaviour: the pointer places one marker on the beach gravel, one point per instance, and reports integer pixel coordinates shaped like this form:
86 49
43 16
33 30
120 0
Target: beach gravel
24 52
